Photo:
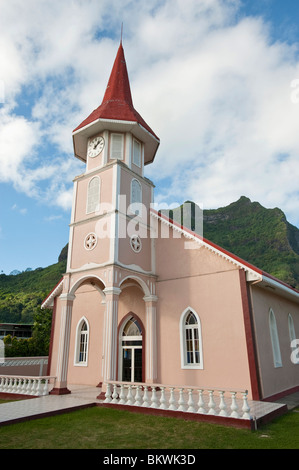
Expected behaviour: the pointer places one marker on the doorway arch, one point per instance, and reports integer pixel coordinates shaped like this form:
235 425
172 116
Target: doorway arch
131 347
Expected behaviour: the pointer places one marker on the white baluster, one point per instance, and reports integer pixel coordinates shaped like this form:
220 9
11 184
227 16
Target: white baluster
24 386
138 399
1 384
16 384
245 407
145 397
34 387
234 407
154 398
129 396
28 388
45 387
163 399
114 394
201 403
122 395
191 408
222 405
19 387
8 385
39 387
108 394
172 402
11 383
211 404
181 401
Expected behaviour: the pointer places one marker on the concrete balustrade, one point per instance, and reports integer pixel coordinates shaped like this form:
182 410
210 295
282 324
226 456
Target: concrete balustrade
216 402
35 386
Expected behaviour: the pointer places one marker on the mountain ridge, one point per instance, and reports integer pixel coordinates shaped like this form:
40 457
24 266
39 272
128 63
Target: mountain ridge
260 236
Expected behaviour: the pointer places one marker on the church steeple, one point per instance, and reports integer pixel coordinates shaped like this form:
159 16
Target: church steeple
118 89
117 113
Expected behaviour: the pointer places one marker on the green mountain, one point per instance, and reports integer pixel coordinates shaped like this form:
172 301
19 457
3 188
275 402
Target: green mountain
260 236
21 294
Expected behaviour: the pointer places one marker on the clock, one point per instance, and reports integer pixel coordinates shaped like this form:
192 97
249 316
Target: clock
95 146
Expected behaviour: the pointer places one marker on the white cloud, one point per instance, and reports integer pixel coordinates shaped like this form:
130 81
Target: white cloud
212 85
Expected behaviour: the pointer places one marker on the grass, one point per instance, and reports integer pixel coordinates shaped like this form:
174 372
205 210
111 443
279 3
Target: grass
103 428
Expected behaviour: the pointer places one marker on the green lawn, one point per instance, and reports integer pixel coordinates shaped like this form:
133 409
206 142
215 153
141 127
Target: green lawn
103 428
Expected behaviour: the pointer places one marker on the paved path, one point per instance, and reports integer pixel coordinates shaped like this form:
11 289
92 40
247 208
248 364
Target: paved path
38 407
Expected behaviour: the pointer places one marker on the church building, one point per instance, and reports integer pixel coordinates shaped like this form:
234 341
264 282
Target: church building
146 300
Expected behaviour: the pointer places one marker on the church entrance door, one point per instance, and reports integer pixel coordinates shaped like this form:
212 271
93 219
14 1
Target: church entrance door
132 351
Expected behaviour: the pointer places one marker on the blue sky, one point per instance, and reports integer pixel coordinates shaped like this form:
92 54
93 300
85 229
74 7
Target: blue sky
214 79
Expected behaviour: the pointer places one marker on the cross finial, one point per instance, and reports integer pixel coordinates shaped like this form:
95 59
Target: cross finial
121 34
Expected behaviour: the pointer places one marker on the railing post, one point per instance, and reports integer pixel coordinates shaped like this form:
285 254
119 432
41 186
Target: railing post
108 394
145 397
211 404
246 407
234 407
191 408
201 403
162 399
129 396
154 398
181 401
222 405
137 396
172 402
122 395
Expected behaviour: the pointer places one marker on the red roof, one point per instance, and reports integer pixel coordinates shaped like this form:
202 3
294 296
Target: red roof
117 102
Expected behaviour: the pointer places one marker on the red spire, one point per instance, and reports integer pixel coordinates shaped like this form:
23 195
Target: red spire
117 103
118 88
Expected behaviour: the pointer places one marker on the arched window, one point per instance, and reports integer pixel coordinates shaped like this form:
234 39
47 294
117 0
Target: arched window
136 197
81 352
191 341
93 195
274 340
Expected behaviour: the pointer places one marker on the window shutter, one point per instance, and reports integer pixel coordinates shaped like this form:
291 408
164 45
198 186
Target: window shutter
117 146
136 153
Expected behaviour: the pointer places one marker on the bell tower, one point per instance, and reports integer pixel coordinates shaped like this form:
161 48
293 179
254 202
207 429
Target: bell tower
110 247
110 216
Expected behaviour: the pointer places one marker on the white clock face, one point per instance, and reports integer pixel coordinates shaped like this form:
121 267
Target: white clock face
95 147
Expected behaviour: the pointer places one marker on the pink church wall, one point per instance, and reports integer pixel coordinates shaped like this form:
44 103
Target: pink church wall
87 304
274 379
81 256
210 285
106 178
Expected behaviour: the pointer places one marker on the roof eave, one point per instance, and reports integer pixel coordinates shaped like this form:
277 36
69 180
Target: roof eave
81 136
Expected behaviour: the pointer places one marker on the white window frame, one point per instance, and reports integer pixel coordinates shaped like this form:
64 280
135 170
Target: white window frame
133 347
78 340
136 206
274 340
138 162
184 363
121 157
96 207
